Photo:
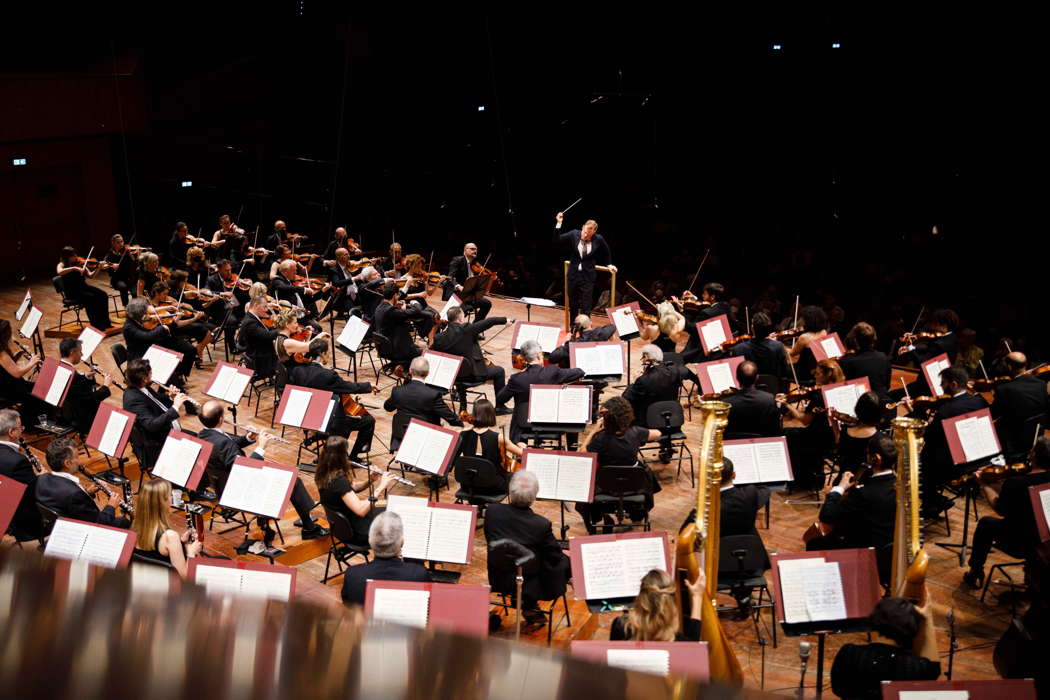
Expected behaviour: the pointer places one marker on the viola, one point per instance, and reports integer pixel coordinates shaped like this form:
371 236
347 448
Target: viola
786 334
151 322
909 338
797 394
315 284
717 395
642 317
733 341
982 385
352 408
479 270
305 258
993 472
356 265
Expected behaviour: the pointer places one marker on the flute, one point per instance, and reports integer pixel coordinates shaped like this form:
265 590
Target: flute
257 431
373 470
192 406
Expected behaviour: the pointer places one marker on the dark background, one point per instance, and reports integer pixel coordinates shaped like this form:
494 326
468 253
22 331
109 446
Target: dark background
815 169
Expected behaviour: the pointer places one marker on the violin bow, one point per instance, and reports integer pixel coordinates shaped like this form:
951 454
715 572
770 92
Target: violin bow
701 267
641 295
127 247
88 257
917 319
510 322
794 325
985 372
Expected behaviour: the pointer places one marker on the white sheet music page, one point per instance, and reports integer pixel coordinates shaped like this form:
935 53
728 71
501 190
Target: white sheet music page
401 606
450 535
934 695
600 360
714 335
603 575
543 405
933 371
31 322
415 522
772 461
162 363
452 301
353 333
275 585
721 376
977 437
176 460
825 599
574 478
1044 500
412 444
218 580
220 388
295 409
830 346
656 661
795 575
442 372
89 340
526 332
83 542
26 301
545 466
111 435
328 413
625 321
547 337
640 556
574 405
842 398
256 490
589 360
58 385
611 358
745 462
272 487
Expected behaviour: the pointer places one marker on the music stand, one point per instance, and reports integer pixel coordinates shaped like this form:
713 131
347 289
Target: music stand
860 589
1017 689
529 302
475 289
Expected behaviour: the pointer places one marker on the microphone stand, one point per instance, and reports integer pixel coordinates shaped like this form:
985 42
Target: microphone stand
803 654
953 642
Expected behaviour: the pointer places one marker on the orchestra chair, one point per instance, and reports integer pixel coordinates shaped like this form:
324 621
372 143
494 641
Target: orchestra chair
478 473
136 449
49 517
534 438
120 358
65 423
618 487
68 305
1010 552
21 537
385 350
769 383
143 560
462 388
341 544
258 383
664 415
506 555
676 358
743 563
278 381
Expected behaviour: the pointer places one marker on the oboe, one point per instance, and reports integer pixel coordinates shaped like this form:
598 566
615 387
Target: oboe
38 468
373 470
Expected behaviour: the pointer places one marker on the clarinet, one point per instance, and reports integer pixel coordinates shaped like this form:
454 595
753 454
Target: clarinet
38 468
128 509
191 525
126 506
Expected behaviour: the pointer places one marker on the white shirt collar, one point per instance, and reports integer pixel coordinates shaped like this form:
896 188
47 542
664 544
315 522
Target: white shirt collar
69 477
959 394
727 487
12 445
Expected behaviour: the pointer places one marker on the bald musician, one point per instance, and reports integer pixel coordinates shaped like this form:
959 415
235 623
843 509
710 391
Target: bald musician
459 272
588 250
1019 405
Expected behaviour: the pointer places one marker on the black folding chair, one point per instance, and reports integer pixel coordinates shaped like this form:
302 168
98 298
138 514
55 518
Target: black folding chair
480 483
342 547
667 416
621 491
510 557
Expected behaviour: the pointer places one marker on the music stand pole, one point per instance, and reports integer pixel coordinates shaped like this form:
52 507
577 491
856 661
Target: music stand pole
820 663
969 502
519 581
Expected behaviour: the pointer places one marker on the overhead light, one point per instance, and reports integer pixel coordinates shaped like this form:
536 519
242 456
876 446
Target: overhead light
836 45
777 47
18 161
481 108
187 183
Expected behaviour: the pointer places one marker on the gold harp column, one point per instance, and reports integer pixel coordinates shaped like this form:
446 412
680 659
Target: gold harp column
713 418
907 531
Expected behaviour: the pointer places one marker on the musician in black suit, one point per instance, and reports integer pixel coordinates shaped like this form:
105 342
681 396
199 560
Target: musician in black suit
26 522
84 394
414 399
942 339
936 456
459 272
314 375
740 506
1017 406
386 536
865 360
123 268
370 292
278 237
713 303
257 340
138 340
60 490
865 516
588 249
344 282
583 331
516 521
535 373
769 355
156 414
392 321
660 381
754 412
283 287
178 246
226 448
461 338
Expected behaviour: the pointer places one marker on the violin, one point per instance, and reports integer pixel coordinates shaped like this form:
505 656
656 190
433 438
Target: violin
799 393
715 395
136 249
91 263
356 265
315 284
305 258
920 403
303 335
909 338
982 385
821 528
733 341
786 334
642 317
993 472
479 270
151 322
254 252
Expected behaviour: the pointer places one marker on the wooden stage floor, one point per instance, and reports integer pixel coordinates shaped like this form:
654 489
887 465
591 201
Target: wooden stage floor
978 625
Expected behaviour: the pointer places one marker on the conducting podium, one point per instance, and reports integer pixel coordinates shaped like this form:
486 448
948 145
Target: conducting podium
224 577
456 608
659 658
436 532
607 570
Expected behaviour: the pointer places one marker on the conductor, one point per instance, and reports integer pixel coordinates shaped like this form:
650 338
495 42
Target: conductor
588 249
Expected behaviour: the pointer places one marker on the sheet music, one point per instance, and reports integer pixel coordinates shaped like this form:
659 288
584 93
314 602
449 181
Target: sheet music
933 695
58 385
452 301
977 437
1044 500
772 460
546 336
111 435
275 585
162 362
721 376
745 463
401 606
218 580
31 322
615 569
824 596
328 413
714 335
933 374
657 661
229 384
843 398
794 577
443 370
545 466
295 409
543 405
830 346
353 333
177 459
640 556
450 535
574 405
256 490
600 360
415 522
82 542
89 340
26 301
574 479
625 321
424 448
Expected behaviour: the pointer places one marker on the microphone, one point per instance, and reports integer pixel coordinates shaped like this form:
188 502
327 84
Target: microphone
803 655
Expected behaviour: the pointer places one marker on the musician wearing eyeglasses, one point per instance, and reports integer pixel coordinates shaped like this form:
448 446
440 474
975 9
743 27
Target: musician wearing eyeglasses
60 489
26 523
283 287
459 271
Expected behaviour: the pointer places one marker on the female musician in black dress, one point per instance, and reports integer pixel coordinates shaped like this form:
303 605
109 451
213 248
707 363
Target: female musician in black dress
853 439
15 364
654 616
339 492
480 440
156 540
74 284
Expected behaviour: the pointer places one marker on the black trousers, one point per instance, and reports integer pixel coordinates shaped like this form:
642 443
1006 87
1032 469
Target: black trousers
993 531
125 288
303 504
496 374
96 304
480 307
581 296
365 427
